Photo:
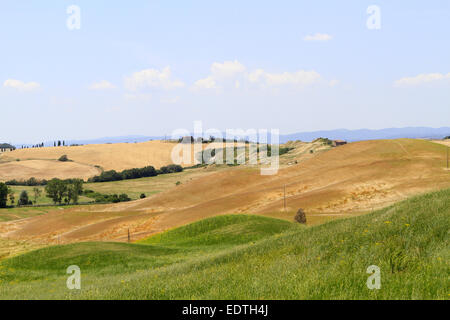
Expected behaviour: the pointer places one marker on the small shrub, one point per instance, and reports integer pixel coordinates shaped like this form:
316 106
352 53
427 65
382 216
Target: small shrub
124 198
300 217
143 196
63 158
178 183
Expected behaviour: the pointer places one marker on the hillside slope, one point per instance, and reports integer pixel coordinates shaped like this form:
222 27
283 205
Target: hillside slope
250 257
118 156
351 179
344 181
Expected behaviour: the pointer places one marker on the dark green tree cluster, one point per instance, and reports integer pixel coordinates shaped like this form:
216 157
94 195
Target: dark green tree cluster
24 200
106 198
135 173
4 192
59 143
64 190
32 182
171 168
39 145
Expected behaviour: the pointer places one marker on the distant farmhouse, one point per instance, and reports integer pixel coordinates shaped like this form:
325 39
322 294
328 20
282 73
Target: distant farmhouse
337 143
5 147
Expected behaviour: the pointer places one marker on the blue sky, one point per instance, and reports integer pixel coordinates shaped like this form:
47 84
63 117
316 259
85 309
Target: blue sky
150 67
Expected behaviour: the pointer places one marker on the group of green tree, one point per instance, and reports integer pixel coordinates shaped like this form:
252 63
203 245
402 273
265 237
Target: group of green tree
61 192
31 182
106 176
39 145
136 173
106 198
66 191
4 193
7 193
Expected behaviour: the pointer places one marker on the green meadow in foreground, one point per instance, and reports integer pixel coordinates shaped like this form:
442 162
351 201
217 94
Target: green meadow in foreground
252 257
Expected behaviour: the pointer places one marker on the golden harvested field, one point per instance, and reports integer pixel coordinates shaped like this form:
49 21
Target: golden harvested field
86 161
443 142
117 156
45 169
344 181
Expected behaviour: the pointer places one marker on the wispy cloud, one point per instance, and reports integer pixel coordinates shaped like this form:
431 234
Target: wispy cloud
102 85
298 78
20 85
220 71
421 79
152 78
234 74
318 37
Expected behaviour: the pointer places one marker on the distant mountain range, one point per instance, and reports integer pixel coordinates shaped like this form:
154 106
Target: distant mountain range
339 134
366 134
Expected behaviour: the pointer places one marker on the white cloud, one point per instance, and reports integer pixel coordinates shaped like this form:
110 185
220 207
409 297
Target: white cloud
207 83
220 72
152 78
234 74
102 85
421 79
227 69
318 37
20 85
298 78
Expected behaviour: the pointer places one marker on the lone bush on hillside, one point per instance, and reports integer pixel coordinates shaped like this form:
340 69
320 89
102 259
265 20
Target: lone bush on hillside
63 158
143 196
300 217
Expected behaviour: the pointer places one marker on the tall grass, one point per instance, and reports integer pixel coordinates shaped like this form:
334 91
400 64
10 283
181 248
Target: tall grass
249 257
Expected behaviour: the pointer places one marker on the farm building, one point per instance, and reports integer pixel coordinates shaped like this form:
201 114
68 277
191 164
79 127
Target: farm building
337 143
5 147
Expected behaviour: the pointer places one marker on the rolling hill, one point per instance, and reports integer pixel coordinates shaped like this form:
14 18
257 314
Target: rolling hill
346 181
253 257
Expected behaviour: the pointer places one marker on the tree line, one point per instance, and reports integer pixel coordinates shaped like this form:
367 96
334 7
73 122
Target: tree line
106 176
61 192
113 175
58 143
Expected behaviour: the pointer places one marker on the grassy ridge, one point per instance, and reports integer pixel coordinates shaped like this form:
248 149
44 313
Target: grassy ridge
249 257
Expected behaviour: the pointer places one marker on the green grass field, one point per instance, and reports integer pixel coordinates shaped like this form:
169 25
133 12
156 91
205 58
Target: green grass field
149 186
41 200
251 257
133 188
